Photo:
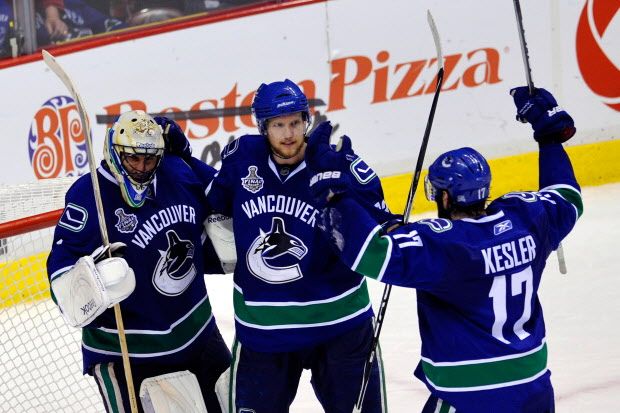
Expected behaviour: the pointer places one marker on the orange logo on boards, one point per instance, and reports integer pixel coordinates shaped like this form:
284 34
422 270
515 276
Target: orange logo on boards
599 71
56 141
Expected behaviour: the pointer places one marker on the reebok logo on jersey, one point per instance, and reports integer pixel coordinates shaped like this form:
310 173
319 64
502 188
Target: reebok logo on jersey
502 227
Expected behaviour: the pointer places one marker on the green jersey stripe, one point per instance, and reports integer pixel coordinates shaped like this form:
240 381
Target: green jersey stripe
491 374
374 256
570 194
301 316
150 344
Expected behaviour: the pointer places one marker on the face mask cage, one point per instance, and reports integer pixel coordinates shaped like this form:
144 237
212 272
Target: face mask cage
139 164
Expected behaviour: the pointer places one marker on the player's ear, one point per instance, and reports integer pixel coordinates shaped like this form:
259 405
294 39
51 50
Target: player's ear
445 200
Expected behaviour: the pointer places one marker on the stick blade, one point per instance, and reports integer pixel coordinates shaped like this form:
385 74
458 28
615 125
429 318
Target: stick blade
435 32
55 67
53 64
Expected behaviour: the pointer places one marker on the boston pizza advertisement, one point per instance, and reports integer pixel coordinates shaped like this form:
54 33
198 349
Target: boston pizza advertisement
369 67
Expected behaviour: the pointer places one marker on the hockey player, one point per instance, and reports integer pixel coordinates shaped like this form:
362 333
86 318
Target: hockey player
154 209
476 269
296 305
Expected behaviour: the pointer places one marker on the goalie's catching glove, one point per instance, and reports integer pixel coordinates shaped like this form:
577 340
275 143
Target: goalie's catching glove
92 285
174 138
328 166
550 122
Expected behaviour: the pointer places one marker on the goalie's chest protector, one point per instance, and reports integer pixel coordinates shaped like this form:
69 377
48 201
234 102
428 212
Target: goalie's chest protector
169 307
291 291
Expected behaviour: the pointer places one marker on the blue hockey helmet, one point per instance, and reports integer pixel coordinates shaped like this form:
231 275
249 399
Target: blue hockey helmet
463 173
278 99
134 135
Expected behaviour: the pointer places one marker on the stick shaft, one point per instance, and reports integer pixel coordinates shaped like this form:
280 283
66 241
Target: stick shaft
408 207
64 77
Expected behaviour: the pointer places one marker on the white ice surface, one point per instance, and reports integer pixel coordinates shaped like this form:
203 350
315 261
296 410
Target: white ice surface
582 314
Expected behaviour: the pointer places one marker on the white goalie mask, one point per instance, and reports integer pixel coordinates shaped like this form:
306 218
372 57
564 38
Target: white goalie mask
133 149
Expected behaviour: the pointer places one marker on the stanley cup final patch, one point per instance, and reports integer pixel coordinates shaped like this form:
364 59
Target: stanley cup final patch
252 182
361 171
127 223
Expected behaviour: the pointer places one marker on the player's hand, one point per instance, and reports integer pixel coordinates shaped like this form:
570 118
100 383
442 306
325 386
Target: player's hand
117 249
550 122
327 166
176 141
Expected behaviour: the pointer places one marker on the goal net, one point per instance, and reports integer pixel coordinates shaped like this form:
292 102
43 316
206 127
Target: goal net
40 358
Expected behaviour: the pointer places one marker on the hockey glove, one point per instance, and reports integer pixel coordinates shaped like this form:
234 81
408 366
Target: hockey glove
327 165
92 285
176 141
550 122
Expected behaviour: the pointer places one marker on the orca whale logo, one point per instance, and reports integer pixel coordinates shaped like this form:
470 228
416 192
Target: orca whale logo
274 256
175 269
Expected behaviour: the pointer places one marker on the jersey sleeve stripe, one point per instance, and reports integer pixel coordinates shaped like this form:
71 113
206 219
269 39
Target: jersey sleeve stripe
374 255
569 194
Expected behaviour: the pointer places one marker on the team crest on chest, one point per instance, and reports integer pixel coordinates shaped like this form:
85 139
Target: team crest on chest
274 256
127 223
252 182
175 269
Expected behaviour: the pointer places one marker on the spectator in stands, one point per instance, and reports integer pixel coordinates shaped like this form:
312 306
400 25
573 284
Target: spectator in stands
6 17
61 20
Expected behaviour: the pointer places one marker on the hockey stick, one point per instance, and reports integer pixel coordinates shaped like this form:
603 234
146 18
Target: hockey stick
532 89
51 62
408 206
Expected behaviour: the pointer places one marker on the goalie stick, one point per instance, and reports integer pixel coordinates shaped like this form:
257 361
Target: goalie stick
51 62
532 89
408 206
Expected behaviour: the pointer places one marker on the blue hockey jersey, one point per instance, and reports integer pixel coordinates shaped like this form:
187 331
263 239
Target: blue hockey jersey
168 317
290 290
480 320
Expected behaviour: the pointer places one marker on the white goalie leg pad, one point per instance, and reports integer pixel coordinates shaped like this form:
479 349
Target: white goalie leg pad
222 390
177 392
220 230
87 290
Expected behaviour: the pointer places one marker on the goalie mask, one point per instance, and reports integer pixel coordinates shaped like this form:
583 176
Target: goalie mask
133 149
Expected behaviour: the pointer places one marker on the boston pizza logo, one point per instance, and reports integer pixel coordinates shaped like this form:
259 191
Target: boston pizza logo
56 142
599 68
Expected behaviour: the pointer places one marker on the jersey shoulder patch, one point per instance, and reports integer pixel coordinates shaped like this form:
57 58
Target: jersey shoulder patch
77 200
360 170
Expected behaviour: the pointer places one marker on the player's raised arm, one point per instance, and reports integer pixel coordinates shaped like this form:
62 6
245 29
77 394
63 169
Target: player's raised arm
552 126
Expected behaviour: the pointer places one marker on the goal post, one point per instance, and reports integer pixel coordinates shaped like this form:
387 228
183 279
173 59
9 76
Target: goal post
40 355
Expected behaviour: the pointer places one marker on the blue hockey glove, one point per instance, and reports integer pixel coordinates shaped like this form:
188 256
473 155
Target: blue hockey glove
550 122
176 141
328 167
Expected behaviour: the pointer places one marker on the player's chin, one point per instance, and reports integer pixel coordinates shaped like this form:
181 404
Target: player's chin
289 151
